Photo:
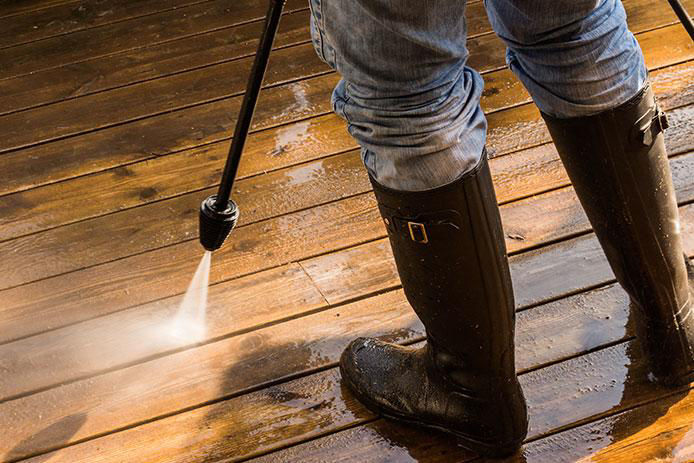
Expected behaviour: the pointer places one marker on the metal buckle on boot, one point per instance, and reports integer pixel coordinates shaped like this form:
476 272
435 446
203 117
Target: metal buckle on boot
657 124
418 232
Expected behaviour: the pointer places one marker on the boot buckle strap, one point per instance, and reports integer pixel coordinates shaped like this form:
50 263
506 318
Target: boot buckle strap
653 126
418 232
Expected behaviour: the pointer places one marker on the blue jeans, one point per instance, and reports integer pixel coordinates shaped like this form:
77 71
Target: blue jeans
413 105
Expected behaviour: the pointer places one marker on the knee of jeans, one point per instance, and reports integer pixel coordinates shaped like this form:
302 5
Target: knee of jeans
451 96
526 24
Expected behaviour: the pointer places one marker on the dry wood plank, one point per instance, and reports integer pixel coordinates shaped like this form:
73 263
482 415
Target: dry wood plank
655 432
148 63
153 94
604 310
66 18
167 94
136 33
167 176
159 136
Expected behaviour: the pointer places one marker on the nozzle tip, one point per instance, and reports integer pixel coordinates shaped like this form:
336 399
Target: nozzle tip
215 224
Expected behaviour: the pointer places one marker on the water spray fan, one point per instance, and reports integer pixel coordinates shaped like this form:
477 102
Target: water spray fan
218 213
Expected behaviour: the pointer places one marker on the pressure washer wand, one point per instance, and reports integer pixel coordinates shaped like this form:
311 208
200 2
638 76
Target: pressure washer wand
218 213
683 16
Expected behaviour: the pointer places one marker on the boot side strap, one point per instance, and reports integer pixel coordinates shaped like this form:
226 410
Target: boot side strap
649 126
422 228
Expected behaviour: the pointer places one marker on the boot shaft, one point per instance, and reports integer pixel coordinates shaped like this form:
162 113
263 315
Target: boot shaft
450 253
619 168
618 165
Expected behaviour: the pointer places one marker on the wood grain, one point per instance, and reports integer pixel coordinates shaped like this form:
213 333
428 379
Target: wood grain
307 271
69 17
142 229
148 63
36 351
167 176
322 335
24 6
658 431
120 36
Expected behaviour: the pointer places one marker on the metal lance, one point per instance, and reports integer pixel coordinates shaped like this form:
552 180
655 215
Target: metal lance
218 213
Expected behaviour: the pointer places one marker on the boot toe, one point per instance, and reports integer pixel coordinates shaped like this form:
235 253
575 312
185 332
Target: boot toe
362 361
375 371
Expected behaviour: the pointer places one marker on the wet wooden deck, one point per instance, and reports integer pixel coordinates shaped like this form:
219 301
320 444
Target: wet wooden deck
114 122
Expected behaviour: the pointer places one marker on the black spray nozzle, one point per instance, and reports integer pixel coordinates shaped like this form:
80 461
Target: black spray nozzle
215 223
218 214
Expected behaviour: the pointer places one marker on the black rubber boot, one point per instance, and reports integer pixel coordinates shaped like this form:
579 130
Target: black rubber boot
618 165
449 250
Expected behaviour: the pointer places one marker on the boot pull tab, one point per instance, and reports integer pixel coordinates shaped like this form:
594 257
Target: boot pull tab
648 127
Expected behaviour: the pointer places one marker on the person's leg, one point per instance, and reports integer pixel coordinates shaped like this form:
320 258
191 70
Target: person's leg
587 75
405 92
413 106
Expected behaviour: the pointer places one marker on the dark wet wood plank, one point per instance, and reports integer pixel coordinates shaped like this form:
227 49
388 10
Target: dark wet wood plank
610 372
168 176
561 323
148 63
70 17
238 361
526 127
529 269
555 270
561 215
153 275
557 396
537 275
313 405
23 6
136 33
142 229
658 431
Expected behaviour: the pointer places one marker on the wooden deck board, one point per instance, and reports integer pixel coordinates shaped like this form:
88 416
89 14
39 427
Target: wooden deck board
88 286
70 17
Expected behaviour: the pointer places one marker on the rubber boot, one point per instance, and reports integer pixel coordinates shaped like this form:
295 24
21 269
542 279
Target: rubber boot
450 253
619 168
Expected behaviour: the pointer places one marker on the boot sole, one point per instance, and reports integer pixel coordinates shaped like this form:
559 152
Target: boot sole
479 447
